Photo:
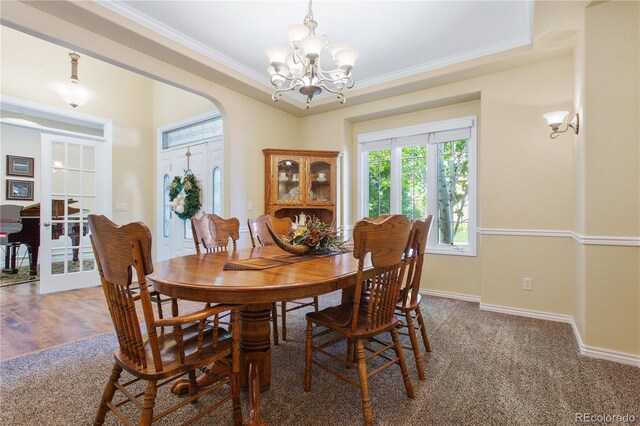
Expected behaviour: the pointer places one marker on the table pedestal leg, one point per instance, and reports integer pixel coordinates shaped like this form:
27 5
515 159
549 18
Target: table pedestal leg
255 356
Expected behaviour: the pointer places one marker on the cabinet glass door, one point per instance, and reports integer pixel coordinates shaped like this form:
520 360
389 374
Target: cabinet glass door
288 180
320 184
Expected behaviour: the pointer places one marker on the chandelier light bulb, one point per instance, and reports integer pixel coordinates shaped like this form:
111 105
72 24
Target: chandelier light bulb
277 55
297 32
335 48
346 58
312 46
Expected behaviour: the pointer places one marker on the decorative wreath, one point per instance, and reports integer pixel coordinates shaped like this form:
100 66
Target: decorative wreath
184 195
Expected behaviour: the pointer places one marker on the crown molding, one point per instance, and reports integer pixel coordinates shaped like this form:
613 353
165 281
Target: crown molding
444 62
134 15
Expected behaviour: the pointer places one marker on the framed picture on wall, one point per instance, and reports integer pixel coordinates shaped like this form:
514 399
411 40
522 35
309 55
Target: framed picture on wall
20 190
19 166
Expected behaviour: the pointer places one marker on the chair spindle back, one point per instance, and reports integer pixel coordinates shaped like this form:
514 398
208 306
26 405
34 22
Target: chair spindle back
118 251
414 253
386 241
213 232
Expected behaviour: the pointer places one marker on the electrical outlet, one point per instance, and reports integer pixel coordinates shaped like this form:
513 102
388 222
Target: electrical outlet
527 284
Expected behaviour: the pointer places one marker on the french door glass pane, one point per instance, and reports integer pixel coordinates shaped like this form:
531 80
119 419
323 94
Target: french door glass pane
379 182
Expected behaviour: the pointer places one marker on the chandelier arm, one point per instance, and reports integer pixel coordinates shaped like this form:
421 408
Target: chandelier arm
294 84
339 94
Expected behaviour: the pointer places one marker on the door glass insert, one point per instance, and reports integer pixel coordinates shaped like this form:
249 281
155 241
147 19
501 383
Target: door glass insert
288 180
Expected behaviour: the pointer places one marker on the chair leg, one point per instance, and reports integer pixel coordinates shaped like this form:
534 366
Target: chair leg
414 345
235 398
350 350
283 311
316 305
423 330
403 365
107 395
274 321
149 400
364 383
193 385
308 356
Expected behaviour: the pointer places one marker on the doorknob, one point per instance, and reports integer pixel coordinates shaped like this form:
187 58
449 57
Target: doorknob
47 224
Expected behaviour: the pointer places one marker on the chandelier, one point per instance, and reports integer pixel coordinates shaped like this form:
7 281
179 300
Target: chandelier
300 69
73 93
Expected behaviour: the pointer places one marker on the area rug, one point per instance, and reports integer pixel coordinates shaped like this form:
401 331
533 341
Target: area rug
485 369
21 277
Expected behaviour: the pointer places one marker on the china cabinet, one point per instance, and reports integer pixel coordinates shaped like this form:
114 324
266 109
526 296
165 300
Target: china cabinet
301 182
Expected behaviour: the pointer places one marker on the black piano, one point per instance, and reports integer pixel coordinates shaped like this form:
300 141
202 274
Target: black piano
21 225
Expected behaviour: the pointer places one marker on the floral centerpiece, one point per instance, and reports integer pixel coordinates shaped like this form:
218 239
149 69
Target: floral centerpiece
312 236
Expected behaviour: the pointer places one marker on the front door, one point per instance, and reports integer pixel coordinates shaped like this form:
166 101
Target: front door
174 236
74 185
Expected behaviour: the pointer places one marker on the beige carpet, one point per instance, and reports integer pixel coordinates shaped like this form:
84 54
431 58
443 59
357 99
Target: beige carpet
485 369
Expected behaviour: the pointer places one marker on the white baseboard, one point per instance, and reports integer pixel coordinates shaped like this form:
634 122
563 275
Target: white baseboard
590 351
527 313
450 295
606 354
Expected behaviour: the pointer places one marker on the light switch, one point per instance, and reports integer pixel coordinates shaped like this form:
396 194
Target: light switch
122 207
250 205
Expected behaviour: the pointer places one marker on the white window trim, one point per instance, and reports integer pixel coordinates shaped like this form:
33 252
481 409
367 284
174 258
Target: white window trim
388 138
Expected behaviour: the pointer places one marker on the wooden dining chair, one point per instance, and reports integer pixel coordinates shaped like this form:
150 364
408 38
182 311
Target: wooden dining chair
212 233
356 322
161 357
258 231
409 302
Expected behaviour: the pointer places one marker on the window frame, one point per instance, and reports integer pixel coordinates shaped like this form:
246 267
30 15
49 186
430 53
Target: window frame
417 135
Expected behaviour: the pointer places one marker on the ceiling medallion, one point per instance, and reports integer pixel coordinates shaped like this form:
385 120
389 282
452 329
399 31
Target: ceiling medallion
300 70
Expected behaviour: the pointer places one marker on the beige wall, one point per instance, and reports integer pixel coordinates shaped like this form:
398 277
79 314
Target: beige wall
608 277
171 105
24 143
124 97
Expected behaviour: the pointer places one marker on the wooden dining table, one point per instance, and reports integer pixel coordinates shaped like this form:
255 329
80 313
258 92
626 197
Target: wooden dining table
202 278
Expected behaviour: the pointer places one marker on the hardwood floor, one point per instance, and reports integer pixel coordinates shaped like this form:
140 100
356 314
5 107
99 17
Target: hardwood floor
32 321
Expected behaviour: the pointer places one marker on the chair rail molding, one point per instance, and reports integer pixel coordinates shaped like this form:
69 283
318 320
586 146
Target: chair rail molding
582 239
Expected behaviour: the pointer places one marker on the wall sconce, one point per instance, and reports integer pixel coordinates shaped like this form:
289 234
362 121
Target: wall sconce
558 118
73 93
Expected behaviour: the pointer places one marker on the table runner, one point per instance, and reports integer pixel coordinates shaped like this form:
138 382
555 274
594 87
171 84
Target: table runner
261 263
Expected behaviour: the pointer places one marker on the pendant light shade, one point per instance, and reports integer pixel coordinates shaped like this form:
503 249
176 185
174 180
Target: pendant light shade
73 93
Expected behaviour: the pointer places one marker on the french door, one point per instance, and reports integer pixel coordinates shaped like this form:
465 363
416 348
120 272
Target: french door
74 185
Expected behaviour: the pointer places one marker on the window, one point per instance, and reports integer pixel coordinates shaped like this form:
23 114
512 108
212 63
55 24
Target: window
193 133
166 208
216 188
423 170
